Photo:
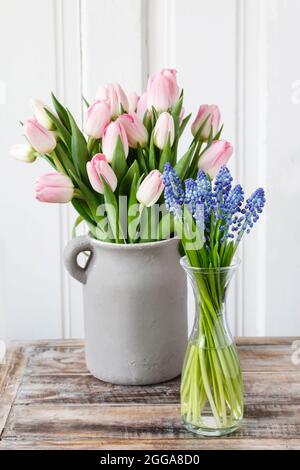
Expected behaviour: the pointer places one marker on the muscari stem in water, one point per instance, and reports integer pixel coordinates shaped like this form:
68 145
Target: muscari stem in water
211 372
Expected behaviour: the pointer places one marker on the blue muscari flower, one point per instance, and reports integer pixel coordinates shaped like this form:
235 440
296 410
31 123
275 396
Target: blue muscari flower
231 208
191 195
221 200
174 193
195 198
205 195
253 207
222 186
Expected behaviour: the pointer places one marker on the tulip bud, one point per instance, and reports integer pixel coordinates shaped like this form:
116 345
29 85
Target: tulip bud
212 114
116 97
162 90
141 107
135 130
215 156
23 152
150 189
54 187
164 129
109 140
42 140
40 114
98 167
96 118
133 99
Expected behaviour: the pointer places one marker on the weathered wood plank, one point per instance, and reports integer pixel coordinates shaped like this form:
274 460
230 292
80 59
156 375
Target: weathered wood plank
192 443
141 421
58 359
81 389
49 400
11 374
279 387
267 357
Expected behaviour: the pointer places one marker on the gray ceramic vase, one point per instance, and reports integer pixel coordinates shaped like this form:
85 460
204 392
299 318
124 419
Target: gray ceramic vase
135 309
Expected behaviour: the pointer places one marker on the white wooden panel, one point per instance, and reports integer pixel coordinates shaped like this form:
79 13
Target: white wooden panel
29 236
254 149
282 170
268 140
238 54
198 38
69 90
113 44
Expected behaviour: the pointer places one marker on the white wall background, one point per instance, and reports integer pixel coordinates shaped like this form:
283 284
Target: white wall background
240 54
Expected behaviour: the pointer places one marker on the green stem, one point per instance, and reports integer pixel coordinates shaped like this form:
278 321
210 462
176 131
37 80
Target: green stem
57 163
90 144
78 194
214 374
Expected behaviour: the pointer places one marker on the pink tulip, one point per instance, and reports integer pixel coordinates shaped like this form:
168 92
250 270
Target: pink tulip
42 140
98 167
23 152
162 90
109 140
54 187
97 117
133 99
164 129
141 107
135 130
211 112
215 156
150 189
116 97
40 114
171 74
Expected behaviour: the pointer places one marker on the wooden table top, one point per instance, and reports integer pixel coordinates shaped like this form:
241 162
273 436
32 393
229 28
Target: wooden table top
48 400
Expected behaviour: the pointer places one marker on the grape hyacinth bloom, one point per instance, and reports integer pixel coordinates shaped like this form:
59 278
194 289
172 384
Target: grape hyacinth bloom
222 186
174 193
254 206
214 205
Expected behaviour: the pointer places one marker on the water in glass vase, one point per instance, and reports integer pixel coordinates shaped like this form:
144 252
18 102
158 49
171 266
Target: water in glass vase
211 383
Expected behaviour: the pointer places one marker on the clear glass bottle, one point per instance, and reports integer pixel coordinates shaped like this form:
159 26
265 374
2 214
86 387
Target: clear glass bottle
211 382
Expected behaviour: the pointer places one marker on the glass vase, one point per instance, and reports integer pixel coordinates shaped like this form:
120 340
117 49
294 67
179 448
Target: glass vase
211 383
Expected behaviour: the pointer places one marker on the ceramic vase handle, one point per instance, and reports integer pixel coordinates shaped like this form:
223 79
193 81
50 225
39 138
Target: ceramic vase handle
73 249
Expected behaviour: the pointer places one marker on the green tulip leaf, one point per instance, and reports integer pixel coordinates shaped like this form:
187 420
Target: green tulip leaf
152 155
218 134
119 163
80 154
176 110
63 132
85 102
112 210
131 203
184 124
182 165
90 197
165 227
165 155
125 185
142 160
61 112
64 157
82 209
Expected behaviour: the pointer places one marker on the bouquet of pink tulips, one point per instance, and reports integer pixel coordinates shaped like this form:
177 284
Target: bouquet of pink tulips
112 170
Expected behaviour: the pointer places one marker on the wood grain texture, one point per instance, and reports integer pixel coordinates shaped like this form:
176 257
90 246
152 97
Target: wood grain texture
48 400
